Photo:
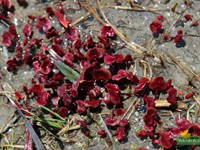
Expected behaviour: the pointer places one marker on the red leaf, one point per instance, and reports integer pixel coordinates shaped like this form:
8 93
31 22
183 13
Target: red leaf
120 133
155 26
6 38
63 111
158 83
119 112
43 23
95 53
189 95
27 29
101 132
61 18
171 98
101 74
111 121
106 31
91 103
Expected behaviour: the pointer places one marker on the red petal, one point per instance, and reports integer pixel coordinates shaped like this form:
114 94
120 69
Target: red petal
119 112
63 111
120 133
102 132
189 95
101 74
6 38
171 98
120 75
106 31
95 53
158 83
112 87
61 18
43 23
111 121
91 103
72 34
123 123
155 26
27 29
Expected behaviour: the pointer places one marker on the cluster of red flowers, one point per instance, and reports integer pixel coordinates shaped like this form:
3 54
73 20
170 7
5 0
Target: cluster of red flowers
156 27
97 78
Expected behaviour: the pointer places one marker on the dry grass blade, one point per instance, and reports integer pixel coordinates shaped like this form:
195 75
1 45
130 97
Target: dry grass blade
133 46
194 97
67 128
182 66
138 8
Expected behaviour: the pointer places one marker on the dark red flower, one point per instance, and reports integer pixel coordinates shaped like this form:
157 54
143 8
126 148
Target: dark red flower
61 18
94 92
120 75
95 53
160 17
11 64
183 124
171 98
195 23
155 26
68 58
61 90
158 83
141 85
36 88
112 88
63 111
120 133
119 112
110 59
43 23
101 132
141 148
165 140
77 43
187 17
142 133
123 123
80 106
60 8
66 100
81 123
149 120
6 3
59 49
42 97
101 74
112 97
111 121
195 129
6 38
52 32
18 95
72 34
27 29
92 103
89 43
49 11
189 95
106 31
178 36
149 101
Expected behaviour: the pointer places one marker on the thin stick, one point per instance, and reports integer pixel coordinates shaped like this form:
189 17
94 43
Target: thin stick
109 134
